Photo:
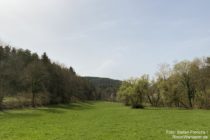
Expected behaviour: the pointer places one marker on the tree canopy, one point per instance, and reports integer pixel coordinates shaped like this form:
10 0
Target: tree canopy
25 74
186 84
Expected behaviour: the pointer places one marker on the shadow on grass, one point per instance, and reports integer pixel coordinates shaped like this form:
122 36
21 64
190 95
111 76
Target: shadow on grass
16 115
37 112
73 106
51 110
165 108
62 108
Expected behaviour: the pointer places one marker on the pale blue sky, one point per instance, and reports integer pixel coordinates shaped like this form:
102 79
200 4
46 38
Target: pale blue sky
109 38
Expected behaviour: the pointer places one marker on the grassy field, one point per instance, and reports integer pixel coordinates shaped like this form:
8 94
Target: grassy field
98 121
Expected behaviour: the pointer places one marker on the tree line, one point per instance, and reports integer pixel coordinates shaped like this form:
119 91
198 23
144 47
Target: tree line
186 85
26 79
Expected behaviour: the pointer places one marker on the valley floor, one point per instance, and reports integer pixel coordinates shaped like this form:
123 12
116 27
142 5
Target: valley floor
99 121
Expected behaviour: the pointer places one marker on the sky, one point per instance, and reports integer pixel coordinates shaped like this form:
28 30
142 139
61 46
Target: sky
109 38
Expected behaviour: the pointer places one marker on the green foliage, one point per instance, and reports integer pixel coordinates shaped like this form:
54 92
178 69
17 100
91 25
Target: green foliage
125 91
133 91
24 72
185 85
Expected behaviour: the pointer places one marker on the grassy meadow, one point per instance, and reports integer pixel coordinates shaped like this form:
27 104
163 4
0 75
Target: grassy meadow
98 121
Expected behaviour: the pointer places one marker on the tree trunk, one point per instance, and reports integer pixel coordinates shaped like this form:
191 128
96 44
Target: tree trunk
1 94
33 100
190 100
1 100
157 101
150 101
183 104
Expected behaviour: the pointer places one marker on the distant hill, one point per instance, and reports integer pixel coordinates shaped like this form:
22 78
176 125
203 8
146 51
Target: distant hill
106 88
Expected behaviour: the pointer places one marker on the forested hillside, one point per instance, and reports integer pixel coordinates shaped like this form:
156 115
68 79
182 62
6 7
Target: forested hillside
105 88
27 79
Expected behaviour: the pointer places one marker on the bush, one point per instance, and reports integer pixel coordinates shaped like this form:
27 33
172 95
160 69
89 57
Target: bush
137 106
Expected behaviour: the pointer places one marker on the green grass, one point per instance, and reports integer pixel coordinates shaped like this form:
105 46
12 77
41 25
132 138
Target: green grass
98 121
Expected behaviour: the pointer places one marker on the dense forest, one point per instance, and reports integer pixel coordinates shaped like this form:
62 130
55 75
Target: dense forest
186 85
105 88
29 80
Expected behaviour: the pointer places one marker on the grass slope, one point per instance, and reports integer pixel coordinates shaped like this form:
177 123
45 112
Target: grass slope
98 121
